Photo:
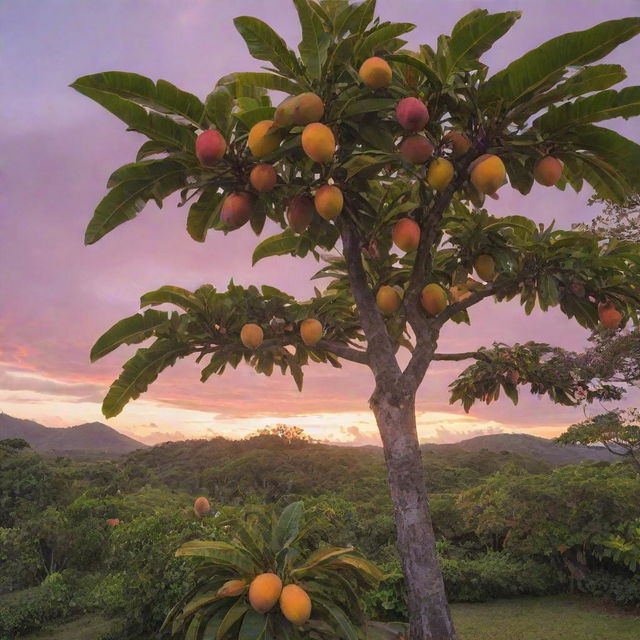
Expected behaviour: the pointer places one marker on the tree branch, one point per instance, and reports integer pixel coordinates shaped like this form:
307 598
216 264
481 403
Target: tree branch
455 357
380 349
344 352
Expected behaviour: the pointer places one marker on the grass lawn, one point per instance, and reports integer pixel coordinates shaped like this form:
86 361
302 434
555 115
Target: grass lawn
548 618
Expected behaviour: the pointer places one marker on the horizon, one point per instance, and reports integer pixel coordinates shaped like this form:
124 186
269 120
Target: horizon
65 144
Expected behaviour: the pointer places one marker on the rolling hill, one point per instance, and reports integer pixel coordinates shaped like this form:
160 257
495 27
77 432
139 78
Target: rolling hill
532 446
89 438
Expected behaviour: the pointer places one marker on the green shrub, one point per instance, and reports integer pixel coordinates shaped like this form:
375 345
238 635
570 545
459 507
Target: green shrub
621 589
493 575
30 609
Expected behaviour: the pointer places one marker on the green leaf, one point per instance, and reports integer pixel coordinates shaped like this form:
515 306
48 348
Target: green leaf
218 105
131 330
475 34
546 64
611 147
177 296
362 162
315 40
265 44
356 17
269 81
418 64
204 213
140 371
253 625
161 96
234 614
284 243
150 148
288 526
368 105
382 35
253 116
152 179
322 557
340 618
585 80
153 125
604 105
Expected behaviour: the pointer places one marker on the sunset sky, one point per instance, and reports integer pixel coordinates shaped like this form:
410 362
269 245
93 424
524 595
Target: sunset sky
57 296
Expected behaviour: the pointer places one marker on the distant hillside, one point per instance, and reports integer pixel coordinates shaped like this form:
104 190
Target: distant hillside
90 438
532 446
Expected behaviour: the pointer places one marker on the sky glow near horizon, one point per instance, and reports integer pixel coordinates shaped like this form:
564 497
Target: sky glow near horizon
59 149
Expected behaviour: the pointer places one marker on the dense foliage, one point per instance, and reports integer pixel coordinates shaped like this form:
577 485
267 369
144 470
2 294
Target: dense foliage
507 524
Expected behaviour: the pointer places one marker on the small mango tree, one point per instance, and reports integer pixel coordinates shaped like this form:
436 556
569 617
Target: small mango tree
378 164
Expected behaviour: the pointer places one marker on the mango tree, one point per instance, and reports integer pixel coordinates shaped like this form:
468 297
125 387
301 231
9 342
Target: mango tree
377 164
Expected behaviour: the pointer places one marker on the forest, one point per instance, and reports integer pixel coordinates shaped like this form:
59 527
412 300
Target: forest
78 537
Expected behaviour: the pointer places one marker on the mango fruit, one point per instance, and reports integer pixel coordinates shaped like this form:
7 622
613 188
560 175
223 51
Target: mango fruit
318 142
264 591
311 331
263 178
307 108
434 299
251 335
439 174
485 267
412 114
388 299
547 171
488 174
300 213
295 604
201 507
458 142
232 588
283 117
236 209
375 73
264 138
210 147
609 316
406 235
329 201
416 149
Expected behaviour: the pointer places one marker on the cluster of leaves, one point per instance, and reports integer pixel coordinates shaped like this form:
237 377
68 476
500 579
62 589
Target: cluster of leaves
618 431
540 366
209 324
260 542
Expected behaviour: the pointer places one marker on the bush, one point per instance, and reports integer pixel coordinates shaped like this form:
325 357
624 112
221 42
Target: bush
493 575
621 589
30 609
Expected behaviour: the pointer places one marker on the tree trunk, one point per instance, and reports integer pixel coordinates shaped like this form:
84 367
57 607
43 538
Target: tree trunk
429 615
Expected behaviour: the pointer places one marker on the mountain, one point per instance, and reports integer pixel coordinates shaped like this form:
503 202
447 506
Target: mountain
90 438
533 446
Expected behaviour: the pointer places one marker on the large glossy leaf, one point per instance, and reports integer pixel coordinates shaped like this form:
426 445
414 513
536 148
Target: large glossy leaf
586 80
279 245
265 44
322 557
218 105
347 630
610 146
315 40
475 34
234 614
153 125
170 294
136 184
131 330
161 96
288 526
356 17
140 371
544 66
418 64
604 105
204 213
265 80
383 35
252 626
